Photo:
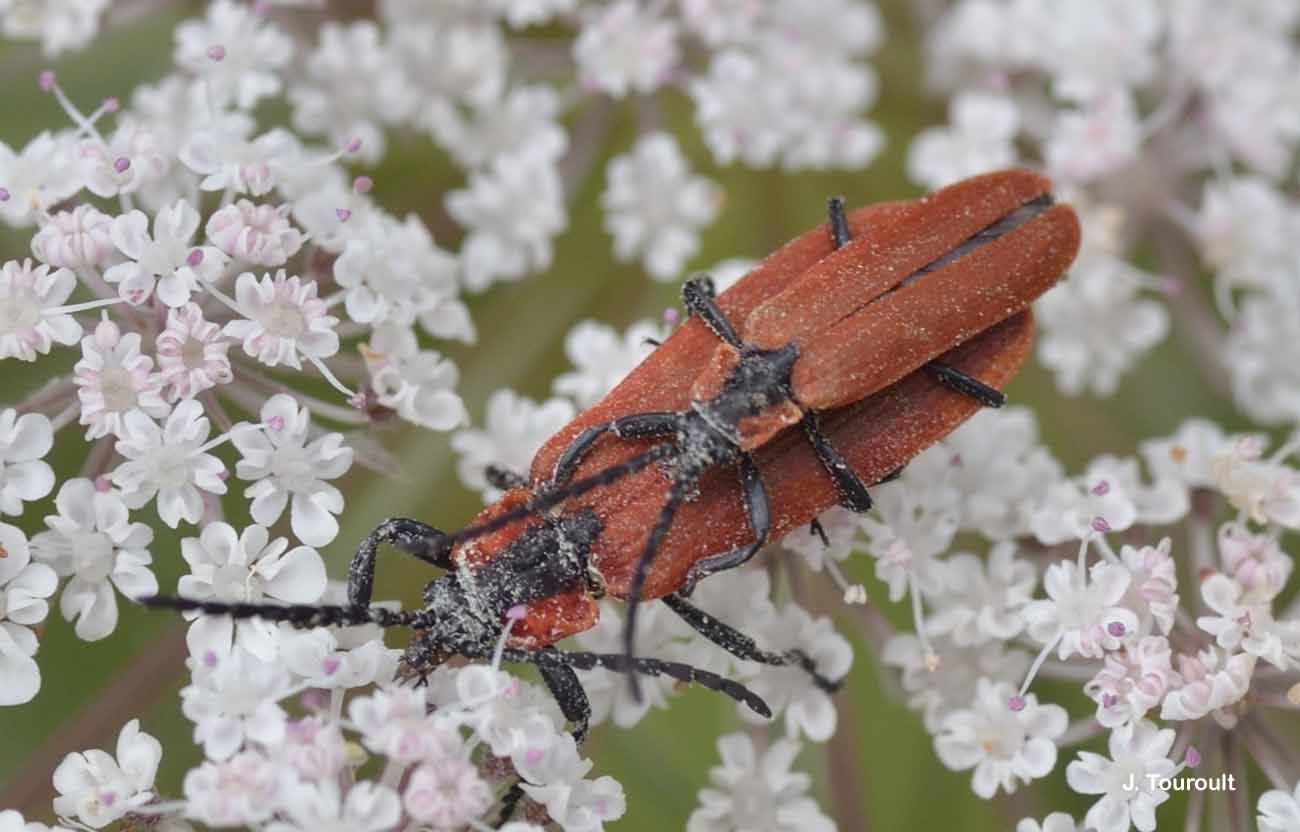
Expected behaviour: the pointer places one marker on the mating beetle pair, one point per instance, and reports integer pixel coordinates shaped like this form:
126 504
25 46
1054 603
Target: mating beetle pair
858 346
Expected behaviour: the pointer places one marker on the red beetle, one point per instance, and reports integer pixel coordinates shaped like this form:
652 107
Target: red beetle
840 342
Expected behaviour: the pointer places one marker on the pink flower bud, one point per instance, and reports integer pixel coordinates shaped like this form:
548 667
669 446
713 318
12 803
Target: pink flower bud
121 164
275 423
47 80
1016 703
1101 488
217 52
353 145
111 104
343 214
194 258
4 194
1193 757
1100 525
362 184
1116 629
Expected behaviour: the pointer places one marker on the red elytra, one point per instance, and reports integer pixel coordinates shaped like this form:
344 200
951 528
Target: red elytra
880 410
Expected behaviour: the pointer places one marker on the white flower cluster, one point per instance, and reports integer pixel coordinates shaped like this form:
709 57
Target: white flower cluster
1095 92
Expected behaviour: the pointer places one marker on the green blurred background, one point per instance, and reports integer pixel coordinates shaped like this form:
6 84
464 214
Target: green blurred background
879 772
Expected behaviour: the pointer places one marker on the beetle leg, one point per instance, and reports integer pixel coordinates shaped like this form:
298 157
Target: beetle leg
411 536
838 221
951 377
816 527
637 426
504 479
758 513
564 686
698 297
852 490
742 646
676 496
620 663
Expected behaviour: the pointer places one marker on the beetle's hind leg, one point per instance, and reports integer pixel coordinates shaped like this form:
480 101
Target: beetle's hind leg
637 426
852 490
742 646
759 514
697 294
411 536
967 385
620 663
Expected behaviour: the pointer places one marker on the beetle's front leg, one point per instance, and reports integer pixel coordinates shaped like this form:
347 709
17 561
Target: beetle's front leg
411 536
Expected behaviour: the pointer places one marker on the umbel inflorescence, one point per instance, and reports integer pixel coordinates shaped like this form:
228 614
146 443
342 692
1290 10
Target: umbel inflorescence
224 314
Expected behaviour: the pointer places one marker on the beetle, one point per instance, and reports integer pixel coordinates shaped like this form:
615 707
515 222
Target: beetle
856 321
555 564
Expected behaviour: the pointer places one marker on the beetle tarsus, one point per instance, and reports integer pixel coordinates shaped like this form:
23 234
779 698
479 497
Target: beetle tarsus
742 646
838 221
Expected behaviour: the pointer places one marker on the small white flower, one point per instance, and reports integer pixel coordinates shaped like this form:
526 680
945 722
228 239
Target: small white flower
24 474
1055 822
446 792
1248 625
283 319
919 516
232 699
166 259
1186 456
626 47
997 463
419 384
1153 591
75 239
809 710
24 586
1077 508
742 106
132 160
237 51
98 789
1005 747
168 463
602 358
93 540
313 747
980 602
524 118
1211 681
12 821
1133 681
1083 615
842 539
284 464
1095 140
558 781
1095 326
259 234
221 152
246 567
515 427
367 807
394 272
192 353
939 682
60 25
244 790
510 211
1138 753
1265 491
981 138
345 657
36 179
113 379
354 87
753 792
31 320
1279 811
655 207
395 722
